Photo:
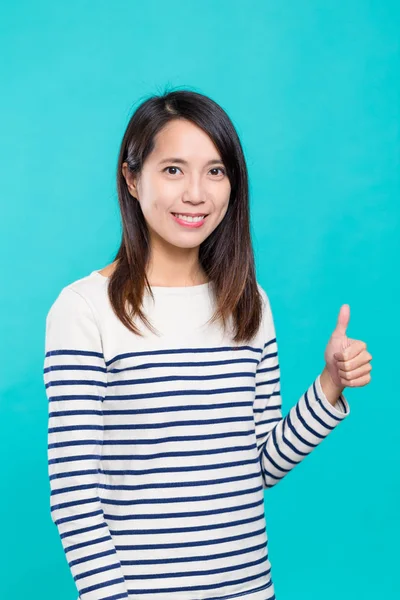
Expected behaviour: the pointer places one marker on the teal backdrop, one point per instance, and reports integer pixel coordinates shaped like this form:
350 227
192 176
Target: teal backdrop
313 87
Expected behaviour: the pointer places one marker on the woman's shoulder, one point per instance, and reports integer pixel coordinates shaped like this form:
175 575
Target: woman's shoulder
263 293
88 292
108 270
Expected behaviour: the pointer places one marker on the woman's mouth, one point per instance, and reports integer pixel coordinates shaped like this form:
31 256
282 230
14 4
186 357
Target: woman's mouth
189 221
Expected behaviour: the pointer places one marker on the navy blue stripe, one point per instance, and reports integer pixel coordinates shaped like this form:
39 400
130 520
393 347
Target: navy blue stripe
156 485
209 527
265 479
269 474
265 422
158 500
141 441
343 405
187 407
268 396
71 413
101 585
189 469
314 414
57 382
183 351
267 369
75 517
291 446
225 540
209 363
74 368
160 379
270 342
268 406
196 573
96 571
135 427
89 557
63 459
180 453
75 428
328 412
340 403
78 443
109 501
186 559
279 451
271 355
202 392
306 426
186 514
73 474
83 530
145 411
73 353
106 538
271 460
74 488
73 397
182 515
269 382
75 503
296 433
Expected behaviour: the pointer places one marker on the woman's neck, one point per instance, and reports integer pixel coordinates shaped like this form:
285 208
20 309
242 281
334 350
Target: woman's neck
164 280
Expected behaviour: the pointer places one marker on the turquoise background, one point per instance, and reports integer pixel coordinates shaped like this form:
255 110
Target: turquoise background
313 88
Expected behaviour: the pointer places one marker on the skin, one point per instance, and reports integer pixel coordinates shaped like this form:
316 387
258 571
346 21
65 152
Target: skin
197 187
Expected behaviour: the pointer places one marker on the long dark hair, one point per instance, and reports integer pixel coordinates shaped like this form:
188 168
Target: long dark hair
226 255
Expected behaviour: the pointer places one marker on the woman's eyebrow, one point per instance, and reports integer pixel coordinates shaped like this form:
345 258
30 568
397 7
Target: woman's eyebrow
213 161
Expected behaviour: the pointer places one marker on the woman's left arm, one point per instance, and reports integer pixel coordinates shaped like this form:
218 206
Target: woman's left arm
283 442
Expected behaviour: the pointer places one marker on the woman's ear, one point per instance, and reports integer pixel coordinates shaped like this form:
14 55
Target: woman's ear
130 179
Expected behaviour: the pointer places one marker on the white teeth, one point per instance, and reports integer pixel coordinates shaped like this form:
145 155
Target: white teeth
189 219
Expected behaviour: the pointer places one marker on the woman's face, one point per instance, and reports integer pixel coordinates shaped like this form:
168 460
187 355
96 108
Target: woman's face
182 175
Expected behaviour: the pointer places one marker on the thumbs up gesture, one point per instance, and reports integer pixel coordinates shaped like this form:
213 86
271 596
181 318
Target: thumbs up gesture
347 360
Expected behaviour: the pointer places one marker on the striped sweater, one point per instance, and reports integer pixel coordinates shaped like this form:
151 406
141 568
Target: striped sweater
160 447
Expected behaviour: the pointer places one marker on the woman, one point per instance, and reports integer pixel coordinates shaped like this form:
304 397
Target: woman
162 375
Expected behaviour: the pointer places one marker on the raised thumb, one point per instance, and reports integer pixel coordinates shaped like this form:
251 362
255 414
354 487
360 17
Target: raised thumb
343 319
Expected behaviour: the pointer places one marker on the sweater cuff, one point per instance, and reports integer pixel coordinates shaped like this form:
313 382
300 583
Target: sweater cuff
340 409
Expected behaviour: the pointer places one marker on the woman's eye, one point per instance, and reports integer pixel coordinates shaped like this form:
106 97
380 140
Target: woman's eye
177 168
166 168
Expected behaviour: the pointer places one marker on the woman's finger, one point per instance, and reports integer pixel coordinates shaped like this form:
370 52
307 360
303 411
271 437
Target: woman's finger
355 373
351 351
360 381
354 363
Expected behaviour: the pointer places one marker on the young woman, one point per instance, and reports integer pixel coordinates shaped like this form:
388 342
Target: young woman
163 380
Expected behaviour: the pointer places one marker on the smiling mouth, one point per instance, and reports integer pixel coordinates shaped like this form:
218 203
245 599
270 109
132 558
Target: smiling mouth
190 217
190 214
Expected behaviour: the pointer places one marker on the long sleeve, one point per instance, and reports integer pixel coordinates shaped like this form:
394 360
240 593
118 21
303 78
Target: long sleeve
284 442
75 379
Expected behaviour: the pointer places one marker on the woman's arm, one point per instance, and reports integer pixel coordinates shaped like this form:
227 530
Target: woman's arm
75 378
284 442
